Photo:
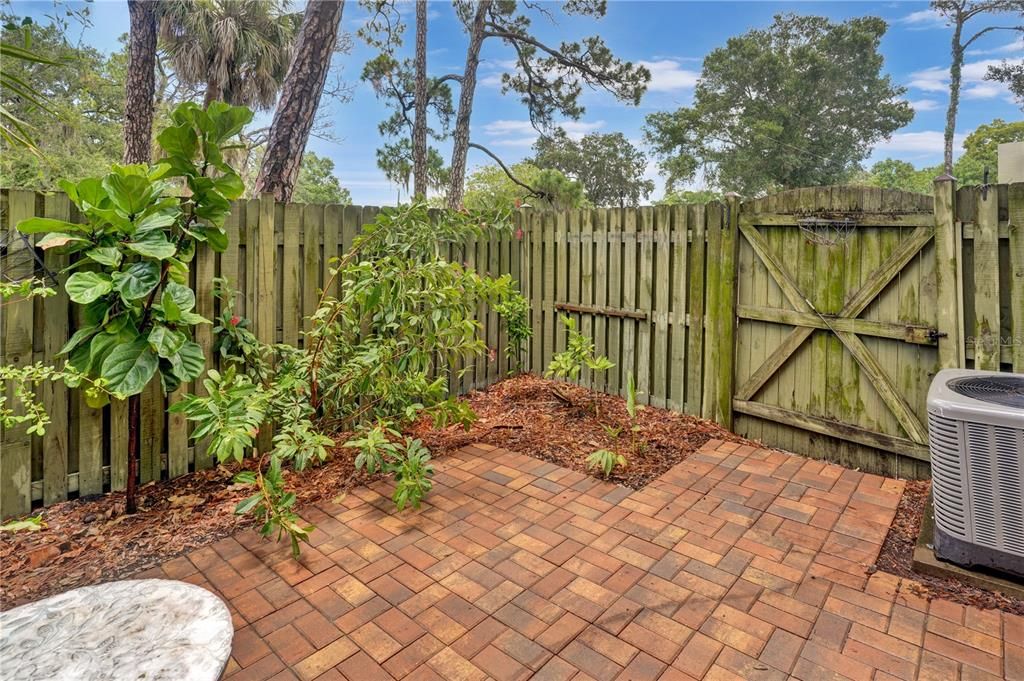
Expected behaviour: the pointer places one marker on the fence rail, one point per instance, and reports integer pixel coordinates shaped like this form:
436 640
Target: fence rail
732 311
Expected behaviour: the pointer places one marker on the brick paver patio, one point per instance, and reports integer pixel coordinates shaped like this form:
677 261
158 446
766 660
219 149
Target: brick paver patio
736 564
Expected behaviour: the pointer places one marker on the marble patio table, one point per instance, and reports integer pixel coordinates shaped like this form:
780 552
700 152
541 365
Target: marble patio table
152 629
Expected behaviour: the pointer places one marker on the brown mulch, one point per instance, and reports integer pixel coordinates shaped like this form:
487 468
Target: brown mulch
91 540
524 415
897 557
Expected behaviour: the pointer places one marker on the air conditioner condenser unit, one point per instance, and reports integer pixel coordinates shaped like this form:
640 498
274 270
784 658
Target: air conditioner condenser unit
976 439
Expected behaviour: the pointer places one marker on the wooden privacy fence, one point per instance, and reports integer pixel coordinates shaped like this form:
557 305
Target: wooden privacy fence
813 319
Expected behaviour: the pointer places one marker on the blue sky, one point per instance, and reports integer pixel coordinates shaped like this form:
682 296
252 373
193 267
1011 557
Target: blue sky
671 38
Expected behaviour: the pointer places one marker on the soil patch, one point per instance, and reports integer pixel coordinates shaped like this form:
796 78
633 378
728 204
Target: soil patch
897 557
524 415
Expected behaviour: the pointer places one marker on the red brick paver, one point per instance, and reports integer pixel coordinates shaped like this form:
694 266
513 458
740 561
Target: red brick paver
738 563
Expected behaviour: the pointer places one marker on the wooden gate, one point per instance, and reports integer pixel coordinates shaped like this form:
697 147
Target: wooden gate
836 338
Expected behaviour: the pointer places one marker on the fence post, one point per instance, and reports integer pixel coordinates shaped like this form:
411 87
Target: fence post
1016 215
726 312
712 346
264 279
947 274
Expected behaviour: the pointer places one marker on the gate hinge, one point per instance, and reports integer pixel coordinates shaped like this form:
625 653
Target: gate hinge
934 335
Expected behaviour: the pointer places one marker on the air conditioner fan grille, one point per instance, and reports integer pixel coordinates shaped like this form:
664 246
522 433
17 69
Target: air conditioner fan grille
1007 391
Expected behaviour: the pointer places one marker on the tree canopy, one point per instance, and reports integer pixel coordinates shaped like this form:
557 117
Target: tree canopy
610 169
490 188
800 103
981 148
238 50
84 90
980 153
317 182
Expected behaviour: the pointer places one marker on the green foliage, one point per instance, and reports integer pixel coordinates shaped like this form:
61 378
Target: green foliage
382 449
610 169
981 151
682 197
230 413
893 174
237 51
367 365
394 82
515 311
549 79
798 104
81 115
233 338
13 130
490 188
579 352
21 383
272 504
606 461
136 242
1010 74
317 182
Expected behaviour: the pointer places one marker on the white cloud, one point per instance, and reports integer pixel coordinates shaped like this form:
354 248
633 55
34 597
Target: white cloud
1017 45
974 85
924 104
925 18
668 75
924 143
512 133
986 90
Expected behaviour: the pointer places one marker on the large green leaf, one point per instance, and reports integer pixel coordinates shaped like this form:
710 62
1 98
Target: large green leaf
105 255
39 225
166 342
183 296
155 221
88 191
100 348
216 237
85 287
129 192
189 362
138 280
77 338
129 367
179 140
153 244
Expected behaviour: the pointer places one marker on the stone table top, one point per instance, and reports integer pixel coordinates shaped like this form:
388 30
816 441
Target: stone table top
153 629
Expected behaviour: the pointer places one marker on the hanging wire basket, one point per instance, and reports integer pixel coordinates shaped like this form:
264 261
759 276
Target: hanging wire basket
20 260
826 231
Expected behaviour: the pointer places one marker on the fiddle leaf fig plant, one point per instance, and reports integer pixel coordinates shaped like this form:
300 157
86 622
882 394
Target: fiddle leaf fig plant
131 274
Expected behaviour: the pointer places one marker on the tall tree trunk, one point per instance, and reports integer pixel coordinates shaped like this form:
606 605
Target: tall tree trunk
419 128
461 136
213 93
140 85
300 97
955 67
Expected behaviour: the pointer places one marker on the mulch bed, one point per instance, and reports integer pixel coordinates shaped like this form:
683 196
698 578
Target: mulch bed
897 557
90 540
524 415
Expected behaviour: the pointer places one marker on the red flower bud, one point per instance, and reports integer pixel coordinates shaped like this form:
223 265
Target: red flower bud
235 319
